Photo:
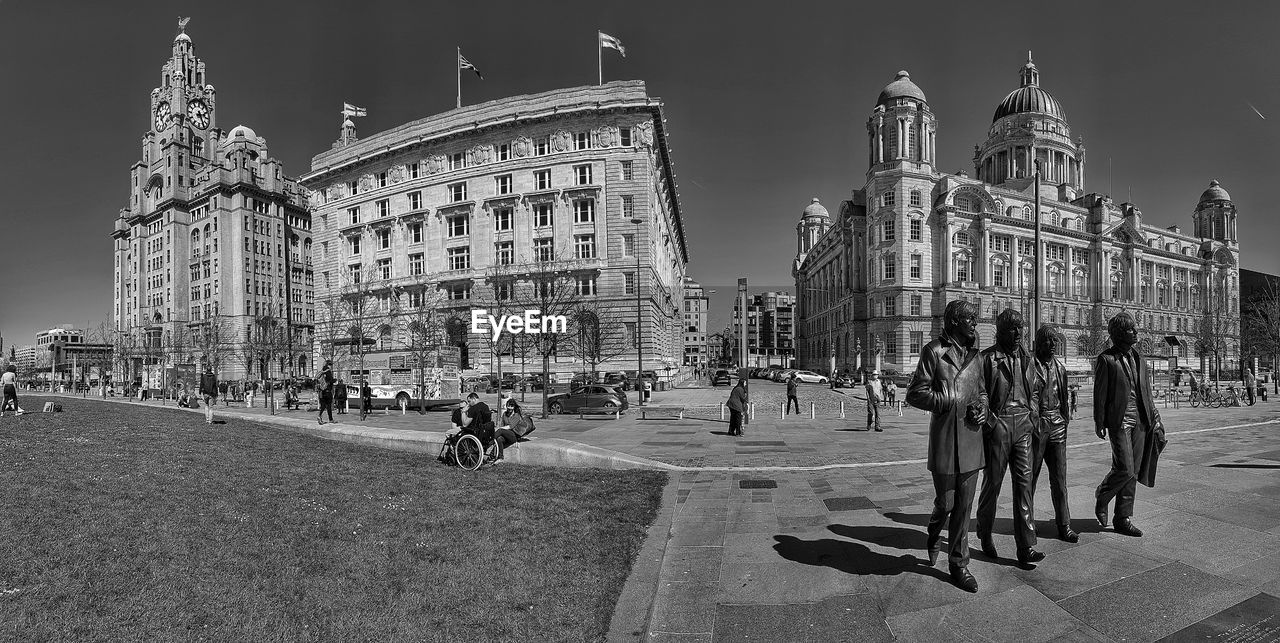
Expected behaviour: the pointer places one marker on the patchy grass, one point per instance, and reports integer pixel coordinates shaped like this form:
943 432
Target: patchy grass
137 523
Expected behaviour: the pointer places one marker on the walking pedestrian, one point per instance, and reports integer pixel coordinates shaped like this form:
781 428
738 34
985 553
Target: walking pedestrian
737 406
340 396
1075 392
10 383
366 399
324 386
874 391
1250 385
948 384
791 394
223 389
209 391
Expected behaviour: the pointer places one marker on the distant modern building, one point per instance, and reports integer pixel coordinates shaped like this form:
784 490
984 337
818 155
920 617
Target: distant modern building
64 351
27 358
213 242
697 306
563 200
770 329
875 278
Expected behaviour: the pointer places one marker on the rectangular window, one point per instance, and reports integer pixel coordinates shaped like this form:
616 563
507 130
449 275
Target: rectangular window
917 303
384 268
628 245
891 344
1026 247
586 286
384 239
624 136
628 206
506 253
542 215
354 245
502 218
416 298
503 183
544 249
584 246
353 271
415 170
457 161
917 341
382 179
582 141
915 203
628 173
415 233
459 225
1000 243
917 230
584 211
542 145
504 152
916 261
458 192
1056 252
353 215
502 290
542 179
416 264
890 306
459 291
629 283
890 270
459 258
887 200
582 174
889 230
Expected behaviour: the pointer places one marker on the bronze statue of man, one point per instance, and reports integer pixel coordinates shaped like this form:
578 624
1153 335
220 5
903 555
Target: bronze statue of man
1050 445
1013 387
1123 410
948 383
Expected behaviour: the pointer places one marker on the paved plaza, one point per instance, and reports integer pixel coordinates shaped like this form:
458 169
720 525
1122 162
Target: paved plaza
813 530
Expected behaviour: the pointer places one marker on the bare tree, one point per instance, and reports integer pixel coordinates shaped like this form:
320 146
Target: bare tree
551 288
1094 338
595 342
212 341
365 311
265 345
423 334
1260 324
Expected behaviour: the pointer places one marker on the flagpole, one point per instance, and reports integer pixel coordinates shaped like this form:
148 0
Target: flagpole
457 62
599 57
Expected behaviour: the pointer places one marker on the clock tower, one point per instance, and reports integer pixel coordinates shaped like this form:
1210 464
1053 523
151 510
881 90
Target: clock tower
212 241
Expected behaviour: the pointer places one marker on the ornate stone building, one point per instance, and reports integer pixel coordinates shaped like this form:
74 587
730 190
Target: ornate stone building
213 242
874 279
483 207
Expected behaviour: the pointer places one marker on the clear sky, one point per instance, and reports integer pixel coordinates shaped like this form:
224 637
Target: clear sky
767 104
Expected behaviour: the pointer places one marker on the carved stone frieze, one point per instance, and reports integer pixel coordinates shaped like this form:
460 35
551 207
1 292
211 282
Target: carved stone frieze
605 136
366 183
336 191
642 134
396 173
479 155
436 164
561 141
522 146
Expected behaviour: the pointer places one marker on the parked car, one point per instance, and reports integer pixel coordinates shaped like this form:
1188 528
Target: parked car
592 396
721 378
809 377
846 381
781 375
616 379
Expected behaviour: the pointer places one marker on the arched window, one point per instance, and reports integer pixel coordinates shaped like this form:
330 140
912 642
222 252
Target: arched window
1117 279
916 200
1056 282
961 238
1026 212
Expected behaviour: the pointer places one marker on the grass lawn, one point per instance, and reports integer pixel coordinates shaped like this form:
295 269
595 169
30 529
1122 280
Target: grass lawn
136 523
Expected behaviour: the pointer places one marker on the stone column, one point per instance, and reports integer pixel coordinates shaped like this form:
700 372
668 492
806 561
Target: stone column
944 264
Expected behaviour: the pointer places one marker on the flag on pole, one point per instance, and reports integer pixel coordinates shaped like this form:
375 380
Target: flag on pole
612 43
463 63
351 110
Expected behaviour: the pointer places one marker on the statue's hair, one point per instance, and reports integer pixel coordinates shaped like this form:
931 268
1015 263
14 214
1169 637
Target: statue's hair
1008 318
1121 323
957 308
1045 333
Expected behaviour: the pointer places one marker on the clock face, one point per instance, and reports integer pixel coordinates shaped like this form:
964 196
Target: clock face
199 114
162 116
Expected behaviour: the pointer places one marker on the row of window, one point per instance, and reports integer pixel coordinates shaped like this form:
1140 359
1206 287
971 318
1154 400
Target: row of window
459 257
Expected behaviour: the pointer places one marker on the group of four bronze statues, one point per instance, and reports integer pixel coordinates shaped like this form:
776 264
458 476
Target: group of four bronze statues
1006 409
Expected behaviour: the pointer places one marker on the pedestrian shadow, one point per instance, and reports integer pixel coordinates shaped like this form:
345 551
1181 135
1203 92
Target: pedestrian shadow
895 537
851 557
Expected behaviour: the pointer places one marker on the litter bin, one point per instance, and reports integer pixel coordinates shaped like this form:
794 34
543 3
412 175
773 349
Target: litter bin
648 390
662 386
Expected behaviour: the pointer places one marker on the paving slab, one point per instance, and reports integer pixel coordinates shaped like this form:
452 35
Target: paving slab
1254 620
1019 614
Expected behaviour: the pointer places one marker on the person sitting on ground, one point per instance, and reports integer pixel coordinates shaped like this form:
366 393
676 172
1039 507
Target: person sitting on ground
515 425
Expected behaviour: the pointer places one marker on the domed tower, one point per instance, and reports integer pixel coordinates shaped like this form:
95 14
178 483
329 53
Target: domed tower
1030 124
814 221
1215 216
902 128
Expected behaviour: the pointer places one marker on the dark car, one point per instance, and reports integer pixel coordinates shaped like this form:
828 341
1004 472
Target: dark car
721 378
593 396
845 381
616 379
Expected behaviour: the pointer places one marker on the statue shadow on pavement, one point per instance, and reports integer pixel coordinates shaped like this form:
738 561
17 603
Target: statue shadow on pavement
851 557
1002 526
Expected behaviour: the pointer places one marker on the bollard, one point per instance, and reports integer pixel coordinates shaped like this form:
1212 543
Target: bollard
782 410
812 411
841 409
751 409
722 410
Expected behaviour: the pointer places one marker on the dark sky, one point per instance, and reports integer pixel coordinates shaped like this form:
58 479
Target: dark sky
767 104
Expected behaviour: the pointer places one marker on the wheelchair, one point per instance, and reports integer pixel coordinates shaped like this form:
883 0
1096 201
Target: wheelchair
466 450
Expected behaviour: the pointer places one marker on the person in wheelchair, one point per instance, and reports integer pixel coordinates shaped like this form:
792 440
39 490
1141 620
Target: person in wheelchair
477 419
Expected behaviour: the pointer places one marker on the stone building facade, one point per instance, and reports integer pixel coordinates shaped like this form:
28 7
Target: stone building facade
213 241
697 307
474 208
874 279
